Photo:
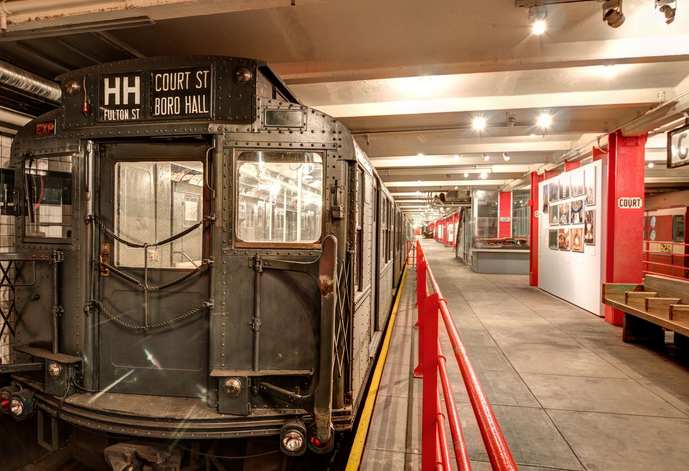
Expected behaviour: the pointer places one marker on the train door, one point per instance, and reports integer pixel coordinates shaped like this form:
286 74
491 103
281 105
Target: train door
154 280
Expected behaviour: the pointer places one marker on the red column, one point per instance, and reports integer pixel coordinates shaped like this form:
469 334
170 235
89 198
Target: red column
505 211
598 154
625 179
569 166
548 174
533 233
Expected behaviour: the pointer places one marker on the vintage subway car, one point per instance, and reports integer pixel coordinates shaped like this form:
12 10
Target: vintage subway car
197 257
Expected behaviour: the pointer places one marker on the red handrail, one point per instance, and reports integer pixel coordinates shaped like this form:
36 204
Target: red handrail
458 443
442 437
496 445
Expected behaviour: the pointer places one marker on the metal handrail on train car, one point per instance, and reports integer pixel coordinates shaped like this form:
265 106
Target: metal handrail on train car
432 362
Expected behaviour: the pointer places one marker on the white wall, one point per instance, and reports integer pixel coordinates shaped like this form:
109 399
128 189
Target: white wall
572 276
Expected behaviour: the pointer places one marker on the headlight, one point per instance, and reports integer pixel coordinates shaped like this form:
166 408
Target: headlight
5 395
293 438
293 441
22 404
243 75
232 387
54 370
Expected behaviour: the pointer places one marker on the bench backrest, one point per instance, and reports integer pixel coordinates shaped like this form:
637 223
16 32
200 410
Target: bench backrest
668 287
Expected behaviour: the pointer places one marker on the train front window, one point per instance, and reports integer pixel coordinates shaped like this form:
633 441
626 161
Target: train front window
280 196
155 201
48 197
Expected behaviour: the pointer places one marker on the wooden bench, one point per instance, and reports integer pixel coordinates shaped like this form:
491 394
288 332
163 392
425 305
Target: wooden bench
657 305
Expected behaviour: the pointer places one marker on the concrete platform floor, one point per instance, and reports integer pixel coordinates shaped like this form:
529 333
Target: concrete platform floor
568 393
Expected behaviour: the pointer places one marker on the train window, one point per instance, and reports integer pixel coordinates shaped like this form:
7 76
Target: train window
678 228
361 186
154 201
48 198
280 196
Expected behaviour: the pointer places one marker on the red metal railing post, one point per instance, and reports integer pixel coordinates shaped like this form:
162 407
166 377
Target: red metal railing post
429 413
496 446
442 436
421 294
458 443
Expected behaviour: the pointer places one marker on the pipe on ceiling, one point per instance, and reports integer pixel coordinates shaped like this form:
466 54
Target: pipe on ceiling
20 79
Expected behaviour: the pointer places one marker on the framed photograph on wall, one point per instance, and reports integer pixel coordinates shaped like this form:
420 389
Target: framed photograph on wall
590 188
554 191
590 227
546 197
552 239
563 239
554 215
577 212
564 213
578 184
576 235
565 187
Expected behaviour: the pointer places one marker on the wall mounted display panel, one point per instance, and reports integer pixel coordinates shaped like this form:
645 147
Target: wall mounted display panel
571 249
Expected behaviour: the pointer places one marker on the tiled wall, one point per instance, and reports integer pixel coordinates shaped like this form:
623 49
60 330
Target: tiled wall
6 245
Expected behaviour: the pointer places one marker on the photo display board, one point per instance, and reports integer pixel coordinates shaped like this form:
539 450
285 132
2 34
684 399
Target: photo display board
571 238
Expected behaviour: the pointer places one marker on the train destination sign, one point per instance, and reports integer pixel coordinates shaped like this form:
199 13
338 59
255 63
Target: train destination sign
181 92
162 94
678 147
120 97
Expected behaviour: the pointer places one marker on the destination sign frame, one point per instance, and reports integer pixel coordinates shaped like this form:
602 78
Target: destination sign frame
678 147
114 89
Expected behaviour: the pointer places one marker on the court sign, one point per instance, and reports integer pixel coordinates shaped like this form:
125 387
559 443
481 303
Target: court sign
678 147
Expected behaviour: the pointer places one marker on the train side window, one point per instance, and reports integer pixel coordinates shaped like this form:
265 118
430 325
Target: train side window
280 197
360 220
154 201
48 198
678 228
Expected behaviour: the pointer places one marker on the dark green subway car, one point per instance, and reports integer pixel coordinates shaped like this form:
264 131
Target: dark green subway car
198 259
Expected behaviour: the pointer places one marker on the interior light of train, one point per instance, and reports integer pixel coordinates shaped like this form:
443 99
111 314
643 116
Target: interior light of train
486 157
651 165
484 175
466 175
456 158
506 157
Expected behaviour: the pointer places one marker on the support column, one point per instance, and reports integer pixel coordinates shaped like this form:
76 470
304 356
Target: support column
533 232
569 166
548 174
598 154
624 240
505 211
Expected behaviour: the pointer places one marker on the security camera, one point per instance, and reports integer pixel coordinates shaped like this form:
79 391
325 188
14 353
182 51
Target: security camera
612 13
666 11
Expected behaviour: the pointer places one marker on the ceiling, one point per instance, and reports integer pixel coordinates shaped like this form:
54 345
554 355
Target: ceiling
407 77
